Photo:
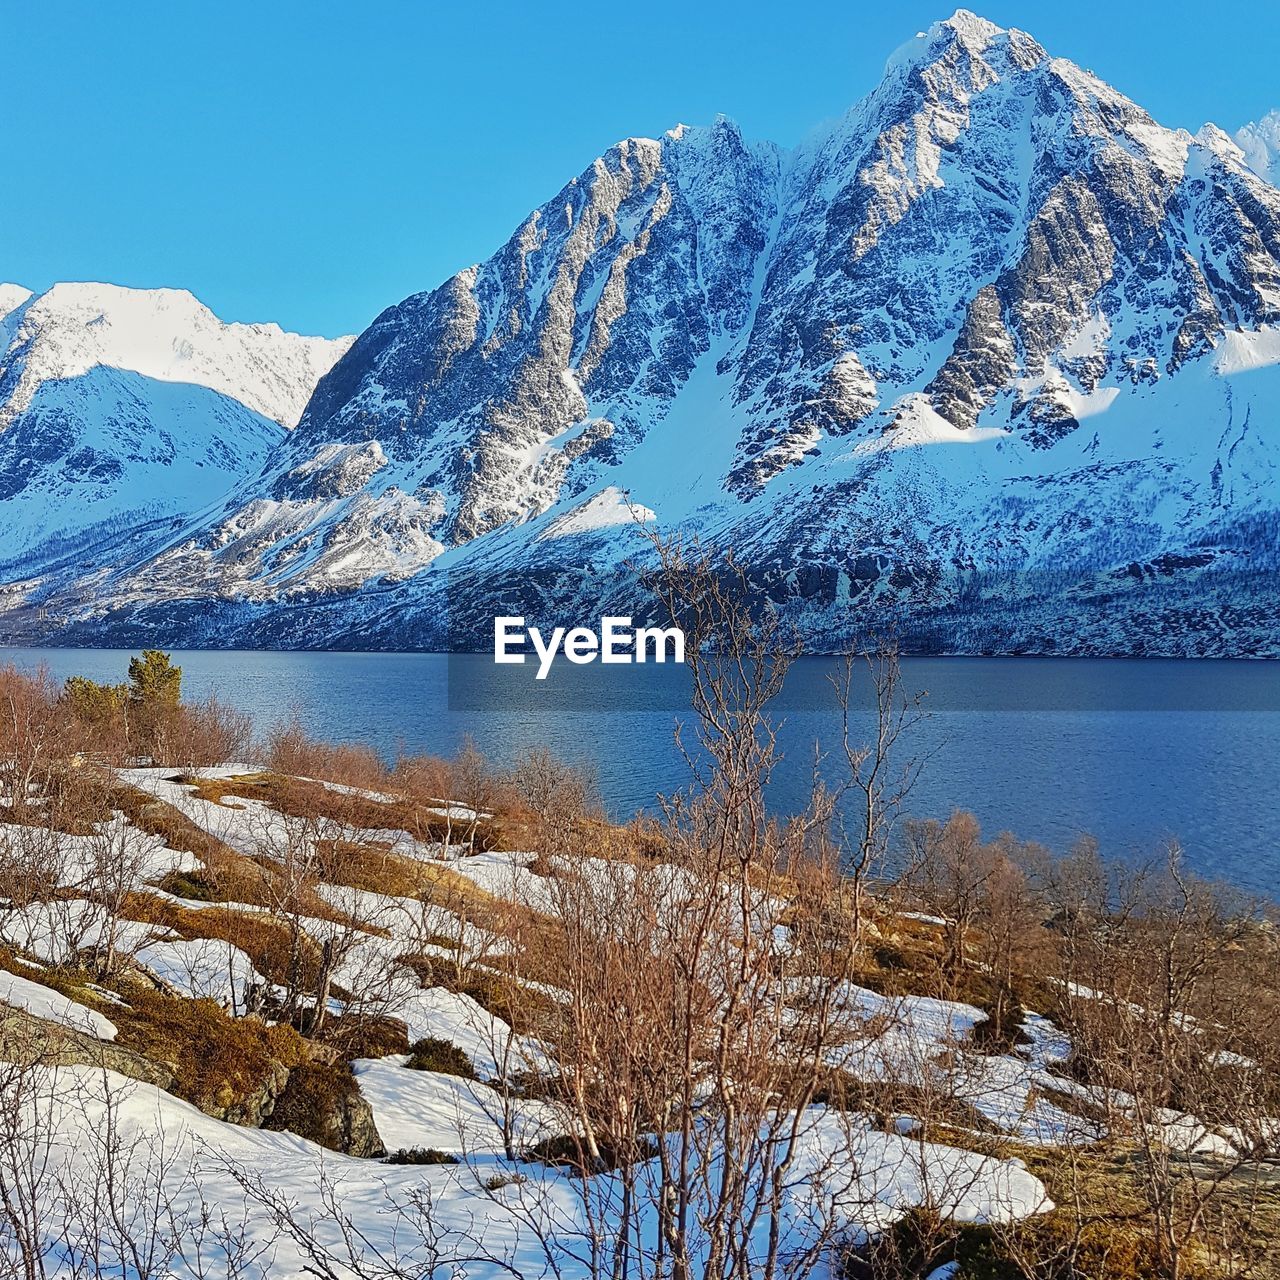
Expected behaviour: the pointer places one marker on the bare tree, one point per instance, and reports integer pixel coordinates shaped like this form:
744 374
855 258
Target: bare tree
1171 1002
875 777
34 740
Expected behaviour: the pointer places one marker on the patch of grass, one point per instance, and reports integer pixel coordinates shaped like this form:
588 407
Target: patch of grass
442 941
264 939
1114 1241
356 1035
67 980
303 798
443 1056
420 1155
567 1151
195 886
884 1101
226 875
161 819
372 867
501 1180
216 790
219 1062
1059 1250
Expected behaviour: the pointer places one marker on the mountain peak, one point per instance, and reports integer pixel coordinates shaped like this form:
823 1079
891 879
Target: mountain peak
164 334
1260 142
976 39
971 28
12 296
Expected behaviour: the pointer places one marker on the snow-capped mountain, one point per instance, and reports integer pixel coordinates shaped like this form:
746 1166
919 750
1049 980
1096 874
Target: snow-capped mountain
994 356
121 407
1260 142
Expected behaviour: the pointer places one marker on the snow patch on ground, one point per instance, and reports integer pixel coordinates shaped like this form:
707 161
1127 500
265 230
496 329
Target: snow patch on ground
202 969
50 1005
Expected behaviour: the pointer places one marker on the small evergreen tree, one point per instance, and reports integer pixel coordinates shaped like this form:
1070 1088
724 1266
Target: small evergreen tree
154 703
95 703
154 682
102 712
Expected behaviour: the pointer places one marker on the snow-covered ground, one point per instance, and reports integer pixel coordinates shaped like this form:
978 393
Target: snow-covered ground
44 1002
498 1209
228 1169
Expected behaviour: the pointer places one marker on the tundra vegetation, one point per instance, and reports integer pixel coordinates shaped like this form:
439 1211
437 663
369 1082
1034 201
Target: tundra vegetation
323 1014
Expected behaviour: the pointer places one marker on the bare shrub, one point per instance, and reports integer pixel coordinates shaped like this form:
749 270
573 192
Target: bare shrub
290 750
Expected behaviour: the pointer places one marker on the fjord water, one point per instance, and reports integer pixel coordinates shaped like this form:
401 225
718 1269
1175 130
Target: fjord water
1133 751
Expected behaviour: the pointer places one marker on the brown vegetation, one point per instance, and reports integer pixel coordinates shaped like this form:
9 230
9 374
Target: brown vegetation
705 967
225 1065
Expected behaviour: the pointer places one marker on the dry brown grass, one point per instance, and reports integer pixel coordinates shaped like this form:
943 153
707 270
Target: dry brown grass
373 867
357 1035
303 798
1242 1236
218 1062
261 936
69 980
525 1010
264 939
228 876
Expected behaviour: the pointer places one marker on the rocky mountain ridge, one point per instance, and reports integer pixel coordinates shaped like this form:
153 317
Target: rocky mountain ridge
993 358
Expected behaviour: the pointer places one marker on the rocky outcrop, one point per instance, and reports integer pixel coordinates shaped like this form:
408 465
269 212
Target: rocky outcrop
253 1108
980 364
25 1038
322 1102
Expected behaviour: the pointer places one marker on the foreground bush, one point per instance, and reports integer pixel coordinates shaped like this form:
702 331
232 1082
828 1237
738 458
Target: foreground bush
442 1056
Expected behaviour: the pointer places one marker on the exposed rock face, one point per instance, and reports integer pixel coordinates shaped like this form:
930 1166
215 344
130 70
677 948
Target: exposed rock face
26 1038
323 1103
980 365
967 350
254 1109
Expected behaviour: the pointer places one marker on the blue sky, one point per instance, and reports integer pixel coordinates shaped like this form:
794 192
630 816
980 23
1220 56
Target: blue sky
313 162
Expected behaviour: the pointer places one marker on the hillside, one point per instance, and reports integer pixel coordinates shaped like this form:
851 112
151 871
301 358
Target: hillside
320 1013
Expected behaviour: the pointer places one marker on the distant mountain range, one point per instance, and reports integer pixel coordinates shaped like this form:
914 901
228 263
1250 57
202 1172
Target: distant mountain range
126 411
993 358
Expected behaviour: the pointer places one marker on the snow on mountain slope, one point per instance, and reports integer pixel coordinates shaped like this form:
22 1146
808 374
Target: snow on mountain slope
1260 142
991 356
94 458
122 407
164 334
12 296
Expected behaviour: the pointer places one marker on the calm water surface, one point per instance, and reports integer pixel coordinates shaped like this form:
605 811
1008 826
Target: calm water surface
1133 751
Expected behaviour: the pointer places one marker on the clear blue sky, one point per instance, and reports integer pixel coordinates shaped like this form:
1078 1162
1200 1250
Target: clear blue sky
312 162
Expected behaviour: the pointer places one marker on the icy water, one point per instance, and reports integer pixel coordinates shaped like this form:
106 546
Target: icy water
1132 751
